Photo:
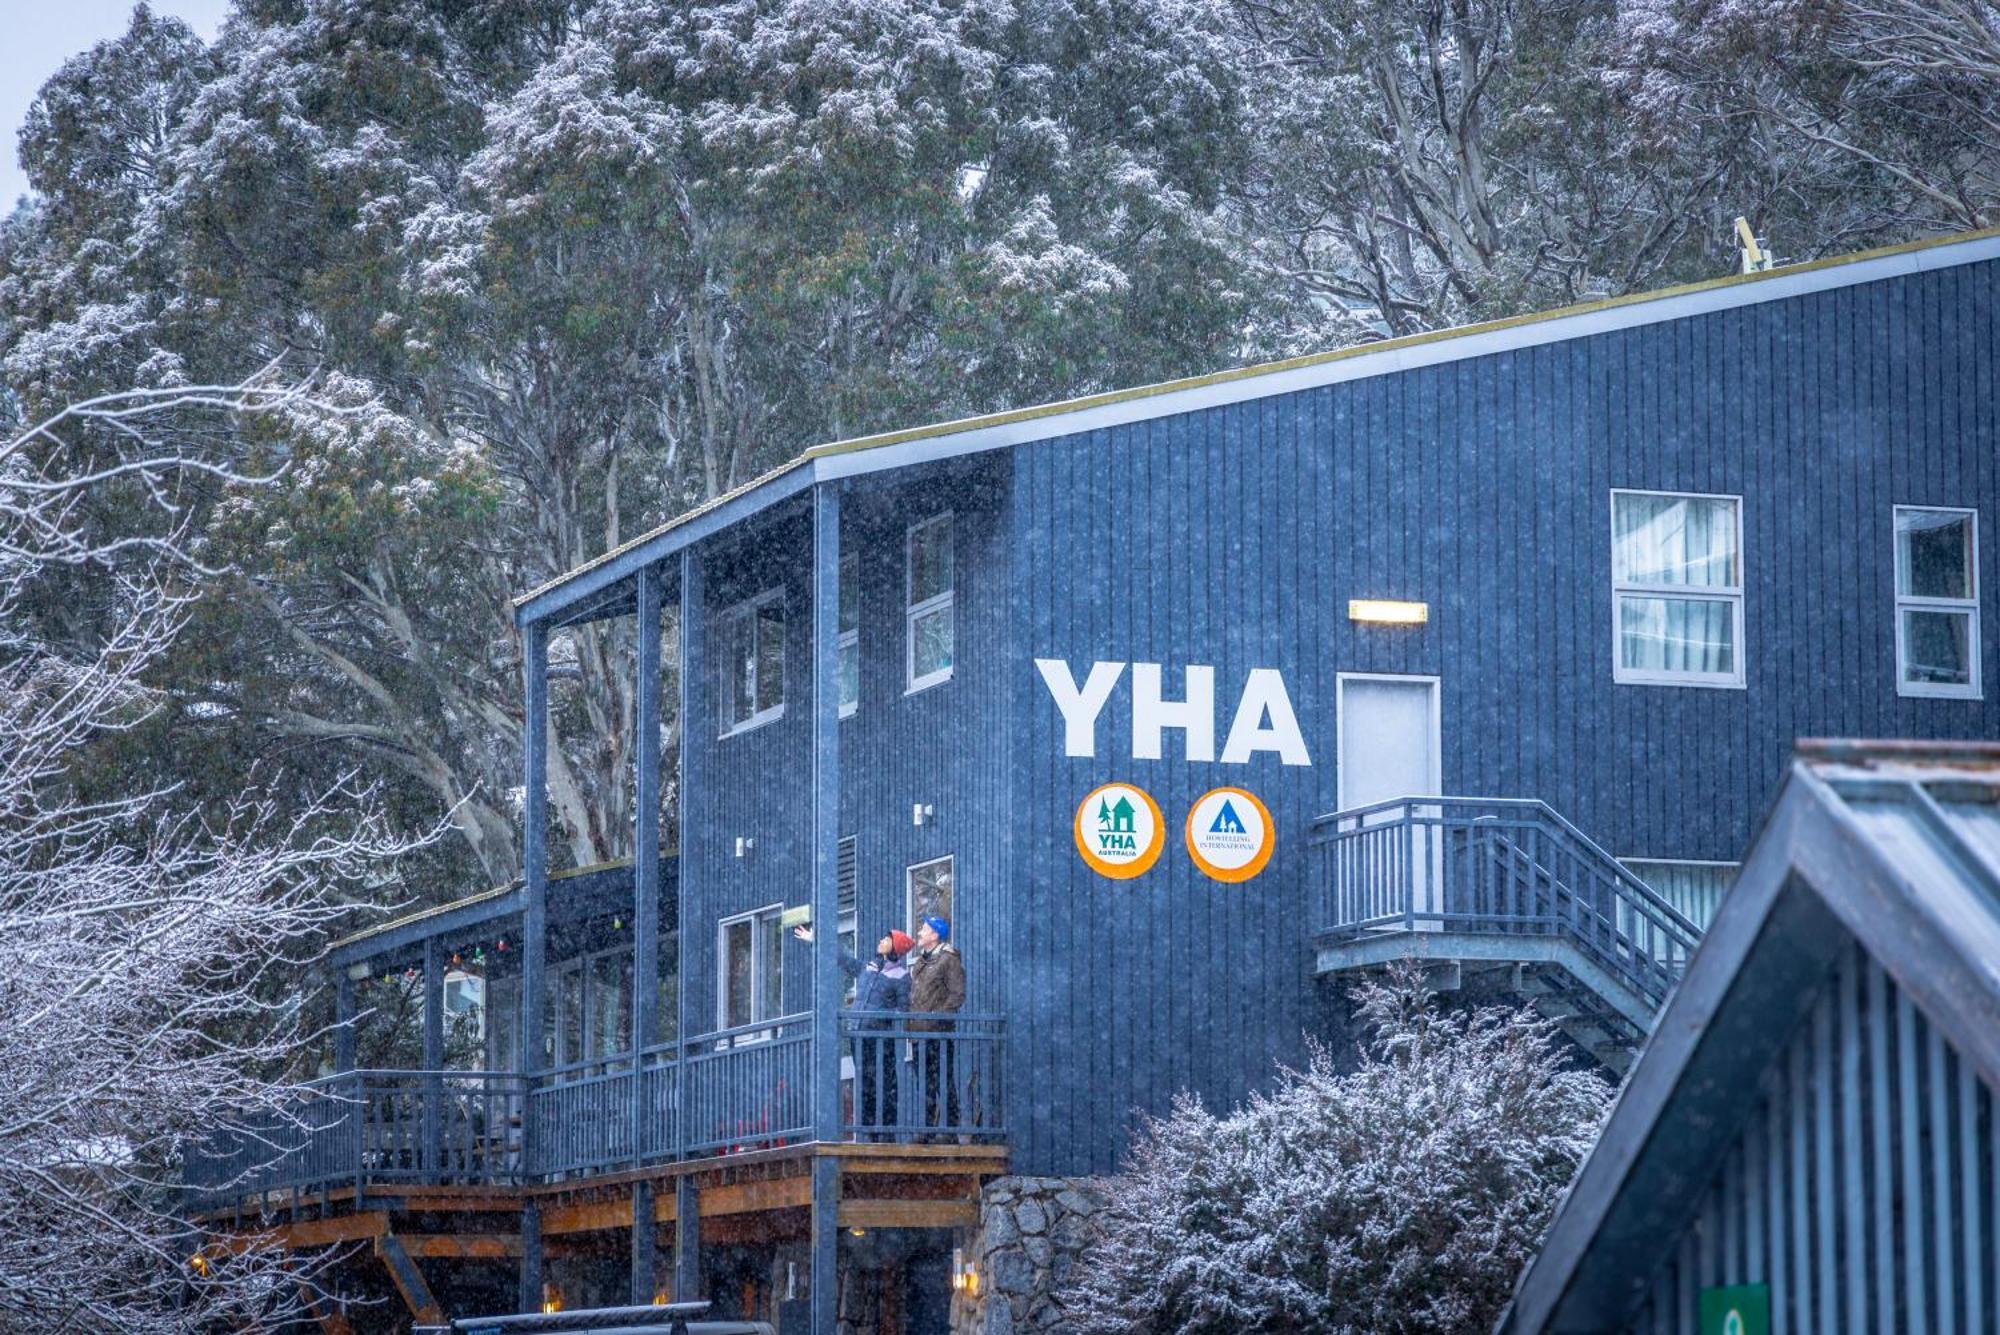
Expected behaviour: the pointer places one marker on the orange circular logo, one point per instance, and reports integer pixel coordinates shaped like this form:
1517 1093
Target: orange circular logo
1119 830
1229 834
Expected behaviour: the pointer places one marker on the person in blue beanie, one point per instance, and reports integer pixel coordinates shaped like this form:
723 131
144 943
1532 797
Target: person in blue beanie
937 986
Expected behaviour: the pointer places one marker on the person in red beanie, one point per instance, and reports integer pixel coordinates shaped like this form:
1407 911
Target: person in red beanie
880 986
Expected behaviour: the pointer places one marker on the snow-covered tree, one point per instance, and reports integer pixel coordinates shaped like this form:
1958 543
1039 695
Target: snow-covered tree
149 951
1846 122
1401 1195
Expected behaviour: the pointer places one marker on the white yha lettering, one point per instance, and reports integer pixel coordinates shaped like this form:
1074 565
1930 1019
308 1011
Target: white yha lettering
1195 716
1264 694
1079 708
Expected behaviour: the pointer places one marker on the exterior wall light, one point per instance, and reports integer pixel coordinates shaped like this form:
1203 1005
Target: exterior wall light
744 845
964 1274
1387 612
922 813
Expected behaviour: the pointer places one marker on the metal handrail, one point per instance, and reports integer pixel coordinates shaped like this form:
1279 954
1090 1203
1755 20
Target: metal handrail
1556 880
745 1086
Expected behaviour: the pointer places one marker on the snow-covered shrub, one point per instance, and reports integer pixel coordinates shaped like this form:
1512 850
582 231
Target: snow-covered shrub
1402 1195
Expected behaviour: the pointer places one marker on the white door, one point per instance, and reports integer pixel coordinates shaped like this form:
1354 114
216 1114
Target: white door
1389 749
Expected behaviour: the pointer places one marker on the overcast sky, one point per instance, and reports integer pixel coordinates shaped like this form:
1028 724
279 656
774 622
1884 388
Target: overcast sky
37 36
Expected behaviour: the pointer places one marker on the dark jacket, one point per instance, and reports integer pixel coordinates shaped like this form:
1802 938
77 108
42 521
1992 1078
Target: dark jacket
937 983
882 984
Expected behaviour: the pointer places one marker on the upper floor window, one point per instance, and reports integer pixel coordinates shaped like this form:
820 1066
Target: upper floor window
930 602
1937 602
930 886
753 661
850 635
1677 588
751 980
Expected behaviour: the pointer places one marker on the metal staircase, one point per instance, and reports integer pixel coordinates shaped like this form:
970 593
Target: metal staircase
1508 897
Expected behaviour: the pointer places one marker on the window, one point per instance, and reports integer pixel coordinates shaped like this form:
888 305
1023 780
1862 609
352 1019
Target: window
1937 602
850 635
593 1012
930 602
1677 589
753 662
930 891
503 1024
750 984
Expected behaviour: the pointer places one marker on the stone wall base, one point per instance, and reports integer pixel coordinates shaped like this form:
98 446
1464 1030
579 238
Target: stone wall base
1031 1232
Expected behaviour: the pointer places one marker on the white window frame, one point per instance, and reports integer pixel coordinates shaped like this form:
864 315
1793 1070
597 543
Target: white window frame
1620 589
850 639
722 927
748 609
910 890
914 611
1974 689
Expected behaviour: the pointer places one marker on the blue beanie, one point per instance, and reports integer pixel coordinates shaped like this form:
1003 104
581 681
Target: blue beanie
940 926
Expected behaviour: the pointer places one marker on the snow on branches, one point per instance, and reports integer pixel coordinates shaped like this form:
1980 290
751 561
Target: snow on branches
148 952
1403 1195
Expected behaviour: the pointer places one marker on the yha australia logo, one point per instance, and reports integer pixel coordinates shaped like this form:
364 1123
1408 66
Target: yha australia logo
1263 721
1118 830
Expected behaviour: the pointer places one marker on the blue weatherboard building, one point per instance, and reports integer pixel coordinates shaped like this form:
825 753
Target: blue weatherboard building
1485 645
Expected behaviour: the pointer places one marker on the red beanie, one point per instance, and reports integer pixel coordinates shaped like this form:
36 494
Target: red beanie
901 942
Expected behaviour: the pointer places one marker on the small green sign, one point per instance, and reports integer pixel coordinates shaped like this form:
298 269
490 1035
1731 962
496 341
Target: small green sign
1739 1309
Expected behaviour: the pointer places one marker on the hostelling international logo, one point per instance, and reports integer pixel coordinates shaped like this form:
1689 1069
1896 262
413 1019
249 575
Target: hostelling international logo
1229 834
1119 830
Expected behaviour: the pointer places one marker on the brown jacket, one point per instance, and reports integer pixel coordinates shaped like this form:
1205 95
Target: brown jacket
937 983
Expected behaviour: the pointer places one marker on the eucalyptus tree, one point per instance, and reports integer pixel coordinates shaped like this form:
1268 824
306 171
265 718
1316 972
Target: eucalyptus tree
587 265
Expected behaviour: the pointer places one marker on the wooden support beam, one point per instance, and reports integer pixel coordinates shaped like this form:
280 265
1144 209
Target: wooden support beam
909 1214
461 1246
586 1216
745 1197
309 1233
409 1280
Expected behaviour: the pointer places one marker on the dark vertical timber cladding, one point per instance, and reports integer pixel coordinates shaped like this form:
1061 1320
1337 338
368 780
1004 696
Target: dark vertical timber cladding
938 746
1879 1183
1234 537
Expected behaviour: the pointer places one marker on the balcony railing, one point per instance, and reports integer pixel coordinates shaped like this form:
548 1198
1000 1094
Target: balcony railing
923 1077
745 1088
1494 866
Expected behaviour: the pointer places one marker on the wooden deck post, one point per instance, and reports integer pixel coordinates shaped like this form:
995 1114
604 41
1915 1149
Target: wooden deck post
343 1019
694 737
645 860
645 1268
826 897
535 877
687 1239
432 1124
530 1296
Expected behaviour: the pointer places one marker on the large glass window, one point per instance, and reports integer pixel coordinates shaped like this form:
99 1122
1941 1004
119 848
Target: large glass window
751 984
850 635
931 627
930 891
1677 588
1937 602
753 661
